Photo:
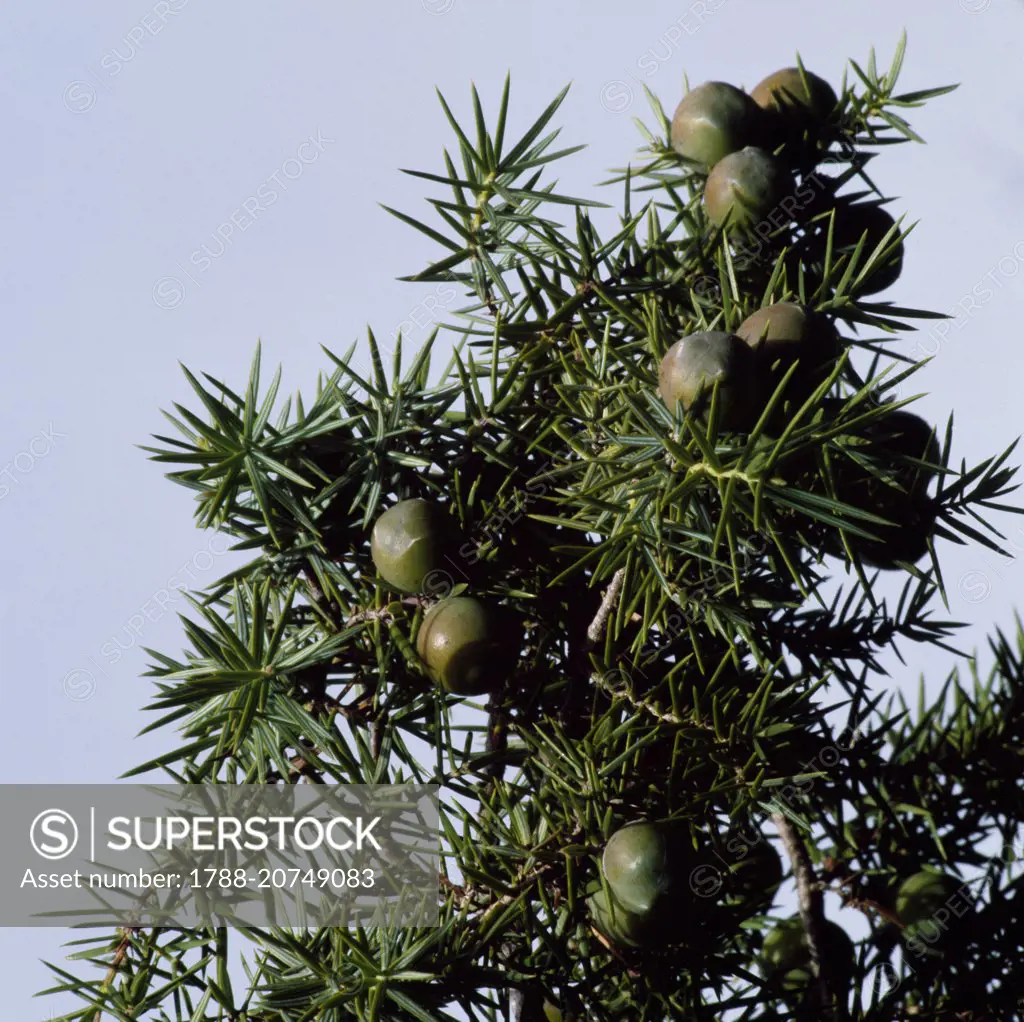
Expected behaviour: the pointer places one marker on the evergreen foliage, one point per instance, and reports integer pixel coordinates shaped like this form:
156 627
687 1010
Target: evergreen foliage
702 641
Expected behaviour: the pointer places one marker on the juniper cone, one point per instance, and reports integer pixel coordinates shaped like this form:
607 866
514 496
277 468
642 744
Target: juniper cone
786 956
696 364
911 448
872 223
905 540
410 541
852 222
805 99
930 904
637 864
905 447
681 650
756 875
618 923
745 187
787 332
713 120
466 644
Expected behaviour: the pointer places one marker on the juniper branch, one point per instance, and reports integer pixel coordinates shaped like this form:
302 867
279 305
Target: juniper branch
812 909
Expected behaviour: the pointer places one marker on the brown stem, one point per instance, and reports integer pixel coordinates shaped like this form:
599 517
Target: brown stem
572 712
600 622
812 907
302 767
115 964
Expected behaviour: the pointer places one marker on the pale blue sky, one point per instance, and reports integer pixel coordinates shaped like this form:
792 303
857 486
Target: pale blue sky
120 171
